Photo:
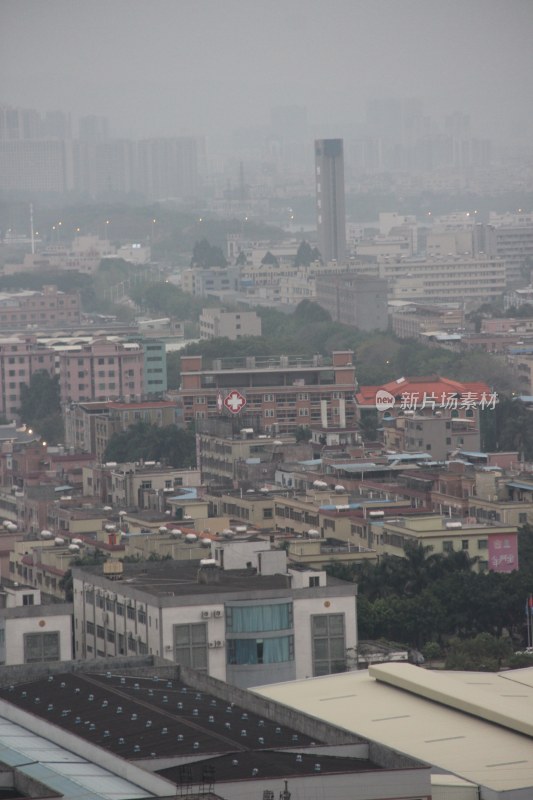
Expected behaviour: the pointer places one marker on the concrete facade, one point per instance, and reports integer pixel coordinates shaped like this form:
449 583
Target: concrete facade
357 300
282 393
330 200
119 617
215 323
103 370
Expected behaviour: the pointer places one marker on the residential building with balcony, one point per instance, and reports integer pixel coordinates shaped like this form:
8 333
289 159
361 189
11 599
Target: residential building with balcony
276 394
226 456
90 426
102 370
20 358
49 307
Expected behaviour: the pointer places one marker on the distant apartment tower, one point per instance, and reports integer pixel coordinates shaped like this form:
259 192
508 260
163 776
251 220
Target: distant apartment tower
103 370
330 209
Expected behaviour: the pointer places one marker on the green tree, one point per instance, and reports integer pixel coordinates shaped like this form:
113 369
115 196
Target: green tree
303 433
270 259
40 406
306 255
207 255
172 445
309 312
368 424
431 651
483 653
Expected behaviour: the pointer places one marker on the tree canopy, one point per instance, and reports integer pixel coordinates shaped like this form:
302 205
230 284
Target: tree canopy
207 255
306 255
428 597
40 406
270 259
172 445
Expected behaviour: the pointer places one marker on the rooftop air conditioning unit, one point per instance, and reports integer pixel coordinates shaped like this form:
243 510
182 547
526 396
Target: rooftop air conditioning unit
217 613
206 614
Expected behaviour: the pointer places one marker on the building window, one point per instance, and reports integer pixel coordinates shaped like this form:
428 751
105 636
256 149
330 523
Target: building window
522 519
304 412
27 599
131 612
329 644
252 619
110 636
120 609
447 547
464 544
314 580
190 645
90 627
141 615
269 412
268 398
482 544
40 647
261 651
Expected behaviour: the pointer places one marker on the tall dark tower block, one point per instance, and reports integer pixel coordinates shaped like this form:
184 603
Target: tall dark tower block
330 209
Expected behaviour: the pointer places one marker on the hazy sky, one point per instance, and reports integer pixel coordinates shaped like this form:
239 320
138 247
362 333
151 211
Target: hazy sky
163 67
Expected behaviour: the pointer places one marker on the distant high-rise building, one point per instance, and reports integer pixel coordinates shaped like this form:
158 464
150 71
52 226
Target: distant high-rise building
57 125
168 167
94 128
330 208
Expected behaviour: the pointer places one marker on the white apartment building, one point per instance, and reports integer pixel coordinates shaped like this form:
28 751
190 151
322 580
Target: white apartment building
216 323
243 626
457 279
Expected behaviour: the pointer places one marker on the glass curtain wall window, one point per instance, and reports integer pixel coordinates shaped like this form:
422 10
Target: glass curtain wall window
329 644
41 647
256 619
261 651
190 645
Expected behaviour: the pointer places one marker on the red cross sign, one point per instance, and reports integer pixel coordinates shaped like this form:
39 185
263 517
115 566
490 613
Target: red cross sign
234 401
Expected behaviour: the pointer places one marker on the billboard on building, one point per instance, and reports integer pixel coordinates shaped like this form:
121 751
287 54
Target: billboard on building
503 552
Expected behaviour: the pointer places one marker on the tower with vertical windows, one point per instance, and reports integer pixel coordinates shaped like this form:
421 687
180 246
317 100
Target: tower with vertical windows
330 207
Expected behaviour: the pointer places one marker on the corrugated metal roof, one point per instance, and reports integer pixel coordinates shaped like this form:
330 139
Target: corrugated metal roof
61 770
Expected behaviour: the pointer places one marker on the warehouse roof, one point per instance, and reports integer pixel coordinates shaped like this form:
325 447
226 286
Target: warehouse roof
474 725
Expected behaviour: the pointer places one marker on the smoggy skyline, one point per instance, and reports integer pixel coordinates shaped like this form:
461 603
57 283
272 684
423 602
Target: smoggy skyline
172 67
